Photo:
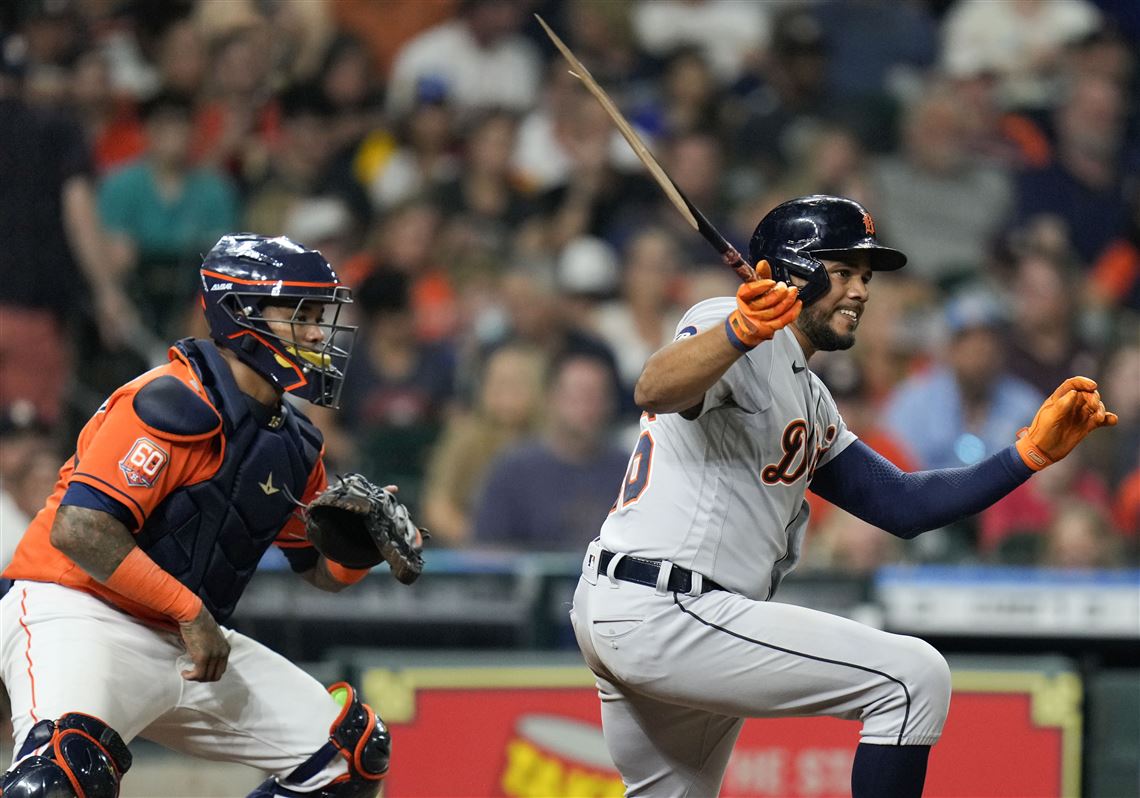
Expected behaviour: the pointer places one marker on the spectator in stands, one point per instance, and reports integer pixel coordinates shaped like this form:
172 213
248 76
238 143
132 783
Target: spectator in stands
162 213
508 409
24 494
825 160
301 166
551 493
407 241
483 206
791 96
347 79
1022 42
586 275
601 35
23 436
479 58
644 316
533 313
841 542
1011 529
845 379
567 134
695 162
730 35
1115 277
1080 537
933 199
1085 186
878 47
1044 342
111 124
55 269
993 134
690 95
181 57
1120 383
397 393
1126 508
238 122
967 406
422 157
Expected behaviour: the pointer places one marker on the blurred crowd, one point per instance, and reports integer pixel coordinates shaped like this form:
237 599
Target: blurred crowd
513 266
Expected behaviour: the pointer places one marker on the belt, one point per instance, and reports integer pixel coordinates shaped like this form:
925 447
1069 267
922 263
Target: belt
644 572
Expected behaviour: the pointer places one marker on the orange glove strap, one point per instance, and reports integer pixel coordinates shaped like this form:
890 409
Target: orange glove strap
345 575
140 579
1031 455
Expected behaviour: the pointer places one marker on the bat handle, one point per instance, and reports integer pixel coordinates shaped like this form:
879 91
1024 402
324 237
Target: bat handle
732 258
737 263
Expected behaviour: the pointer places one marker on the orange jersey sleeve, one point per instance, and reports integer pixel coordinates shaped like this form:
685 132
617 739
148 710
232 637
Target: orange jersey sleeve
121 456
293 535
137 465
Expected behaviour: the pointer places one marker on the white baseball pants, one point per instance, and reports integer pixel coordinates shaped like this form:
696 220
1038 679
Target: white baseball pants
677 675
66 651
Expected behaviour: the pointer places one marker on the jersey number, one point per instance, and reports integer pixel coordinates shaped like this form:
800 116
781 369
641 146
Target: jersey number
637 475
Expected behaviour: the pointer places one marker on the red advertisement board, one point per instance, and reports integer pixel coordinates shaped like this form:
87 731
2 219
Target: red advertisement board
534 732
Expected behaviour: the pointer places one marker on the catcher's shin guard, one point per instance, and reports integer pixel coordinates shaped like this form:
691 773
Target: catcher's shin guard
359 736
82 757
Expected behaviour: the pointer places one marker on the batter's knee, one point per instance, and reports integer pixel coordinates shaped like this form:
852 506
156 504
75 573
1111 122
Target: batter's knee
360 737
82 757
928 677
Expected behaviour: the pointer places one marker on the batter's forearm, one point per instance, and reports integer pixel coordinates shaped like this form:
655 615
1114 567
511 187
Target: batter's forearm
869 486
94 540
677 376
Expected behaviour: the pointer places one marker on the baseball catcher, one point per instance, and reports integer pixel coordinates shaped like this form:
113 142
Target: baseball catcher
359 525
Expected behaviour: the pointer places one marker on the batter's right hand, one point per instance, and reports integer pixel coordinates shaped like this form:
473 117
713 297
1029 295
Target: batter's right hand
763 306
207 646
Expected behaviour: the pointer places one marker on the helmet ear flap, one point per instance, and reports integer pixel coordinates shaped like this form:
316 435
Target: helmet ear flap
812 273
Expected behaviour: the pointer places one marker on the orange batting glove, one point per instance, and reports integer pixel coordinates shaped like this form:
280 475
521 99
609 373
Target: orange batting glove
1072 412
763 306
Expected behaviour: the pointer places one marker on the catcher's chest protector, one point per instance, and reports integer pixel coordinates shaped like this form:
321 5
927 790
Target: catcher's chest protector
212 535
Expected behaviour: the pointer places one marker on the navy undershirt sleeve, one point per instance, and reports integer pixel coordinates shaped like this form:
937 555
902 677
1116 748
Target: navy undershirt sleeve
80 495
868 485
302 559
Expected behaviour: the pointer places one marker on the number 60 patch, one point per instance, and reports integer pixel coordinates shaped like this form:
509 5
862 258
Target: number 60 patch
143 463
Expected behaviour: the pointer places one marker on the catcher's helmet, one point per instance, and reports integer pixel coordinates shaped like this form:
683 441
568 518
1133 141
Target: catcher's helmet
245 273
796 234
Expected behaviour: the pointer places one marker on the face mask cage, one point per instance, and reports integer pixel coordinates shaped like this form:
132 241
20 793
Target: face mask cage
311 369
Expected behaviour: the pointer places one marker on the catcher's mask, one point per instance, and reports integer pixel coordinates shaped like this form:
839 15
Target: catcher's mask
242 276
795 235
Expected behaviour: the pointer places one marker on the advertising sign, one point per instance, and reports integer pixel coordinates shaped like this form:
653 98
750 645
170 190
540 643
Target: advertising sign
535 732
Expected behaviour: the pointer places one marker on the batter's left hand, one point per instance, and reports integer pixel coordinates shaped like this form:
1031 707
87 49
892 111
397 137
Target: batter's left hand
1072 412
207 646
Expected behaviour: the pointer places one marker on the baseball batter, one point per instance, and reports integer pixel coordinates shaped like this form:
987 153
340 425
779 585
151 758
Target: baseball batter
673 612
179 483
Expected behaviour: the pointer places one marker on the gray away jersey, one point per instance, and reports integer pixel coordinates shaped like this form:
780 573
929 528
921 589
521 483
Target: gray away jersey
723 494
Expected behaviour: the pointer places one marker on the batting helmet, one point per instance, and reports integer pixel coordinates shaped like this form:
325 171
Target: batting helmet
241 276
795 235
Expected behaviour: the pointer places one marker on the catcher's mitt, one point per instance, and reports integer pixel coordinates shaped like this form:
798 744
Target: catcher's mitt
358 525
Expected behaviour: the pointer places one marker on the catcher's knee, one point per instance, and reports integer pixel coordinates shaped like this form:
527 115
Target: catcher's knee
81 757
359 736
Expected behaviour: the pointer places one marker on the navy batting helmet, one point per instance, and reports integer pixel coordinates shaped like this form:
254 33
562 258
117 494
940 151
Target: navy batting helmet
241 276
795 235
